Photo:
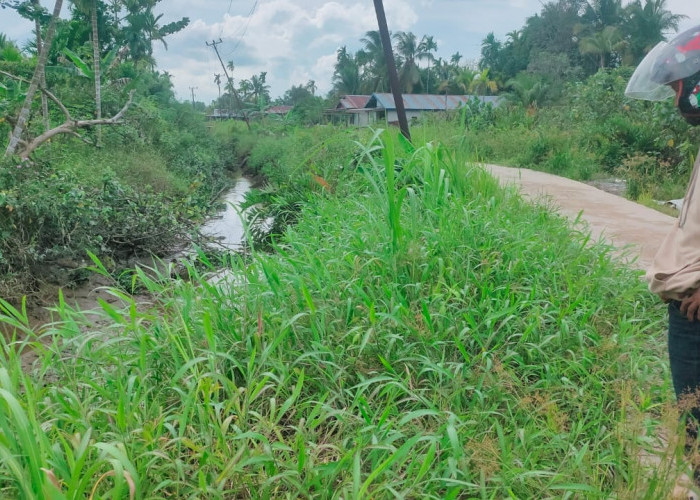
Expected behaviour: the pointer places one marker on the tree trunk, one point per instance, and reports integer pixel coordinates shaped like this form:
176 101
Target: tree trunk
98 76
23 117
44 100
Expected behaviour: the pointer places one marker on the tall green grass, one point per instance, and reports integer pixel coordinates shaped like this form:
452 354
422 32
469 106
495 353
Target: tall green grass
421 333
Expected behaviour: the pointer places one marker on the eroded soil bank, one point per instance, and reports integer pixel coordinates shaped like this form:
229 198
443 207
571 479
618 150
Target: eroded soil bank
225 229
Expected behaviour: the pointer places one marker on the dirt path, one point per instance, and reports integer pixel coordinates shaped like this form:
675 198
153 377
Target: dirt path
626 224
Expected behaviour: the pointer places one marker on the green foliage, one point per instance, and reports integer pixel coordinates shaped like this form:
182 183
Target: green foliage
155 174
294 166
421 331
570 39
593 131
47 215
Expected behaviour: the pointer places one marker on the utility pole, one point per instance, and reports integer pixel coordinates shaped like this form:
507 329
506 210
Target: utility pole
214 44
192 89
391 68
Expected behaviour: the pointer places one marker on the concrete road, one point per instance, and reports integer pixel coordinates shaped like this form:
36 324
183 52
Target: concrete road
628 225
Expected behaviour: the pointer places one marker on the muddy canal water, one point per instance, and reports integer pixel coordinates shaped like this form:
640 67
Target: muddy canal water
226 228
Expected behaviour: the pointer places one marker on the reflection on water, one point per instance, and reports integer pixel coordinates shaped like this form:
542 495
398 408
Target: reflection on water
227 227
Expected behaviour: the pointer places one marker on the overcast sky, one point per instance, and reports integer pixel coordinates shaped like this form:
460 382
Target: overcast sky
296 40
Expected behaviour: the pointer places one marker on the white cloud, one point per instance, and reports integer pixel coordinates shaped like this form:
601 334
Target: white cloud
296 40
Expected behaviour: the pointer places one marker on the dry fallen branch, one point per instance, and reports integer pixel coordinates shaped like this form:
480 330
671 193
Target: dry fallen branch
71 126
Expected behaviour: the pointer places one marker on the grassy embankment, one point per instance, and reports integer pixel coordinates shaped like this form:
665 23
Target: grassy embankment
592 132
421 333
142 192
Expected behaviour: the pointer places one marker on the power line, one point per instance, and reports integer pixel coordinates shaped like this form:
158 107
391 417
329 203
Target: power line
214 44
245 29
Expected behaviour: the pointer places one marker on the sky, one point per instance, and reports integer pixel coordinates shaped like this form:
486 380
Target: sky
295 41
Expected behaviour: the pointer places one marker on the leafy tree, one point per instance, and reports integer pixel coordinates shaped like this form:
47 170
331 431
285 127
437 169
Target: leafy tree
346 77
371 60
428 46
8 50
407 51
217 81
557 29
142 29
647 25
603 44
37 78
90 7
295 95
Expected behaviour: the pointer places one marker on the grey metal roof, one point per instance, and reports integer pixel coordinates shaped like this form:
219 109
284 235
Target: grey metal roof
427 102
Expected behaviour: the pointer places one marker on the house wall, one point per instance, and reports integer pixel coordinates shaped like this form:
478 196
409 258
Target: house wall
393 116
361 119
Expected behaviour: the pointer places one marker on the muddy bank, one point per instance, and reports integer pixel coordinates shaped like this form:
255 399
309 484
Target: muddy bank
225 229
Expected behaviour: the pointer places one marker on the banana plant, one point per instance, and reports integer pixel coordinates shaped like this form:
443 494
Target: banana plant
11 95
82 68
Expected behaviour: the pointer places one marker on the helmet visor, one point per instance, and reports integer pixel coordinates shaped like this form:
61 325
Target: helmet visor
641 85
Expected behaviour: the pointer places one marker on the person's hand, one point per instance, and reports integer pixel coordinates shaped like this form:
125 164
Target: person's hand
690 306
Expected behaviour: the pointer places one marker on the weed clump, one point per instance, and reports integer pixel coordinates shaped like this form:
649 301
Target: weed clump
419 332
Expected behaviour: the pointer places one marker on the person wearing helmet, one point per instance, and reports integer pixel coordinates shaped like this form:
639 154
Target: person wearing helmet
673 70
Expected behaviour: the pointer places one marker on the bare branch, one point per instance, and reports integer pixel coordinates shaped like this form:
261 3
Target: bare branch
45 91
83 138
70 127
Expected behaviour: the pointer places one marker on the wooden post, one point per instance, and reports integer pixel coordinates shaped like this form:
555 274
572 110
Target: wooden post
391 68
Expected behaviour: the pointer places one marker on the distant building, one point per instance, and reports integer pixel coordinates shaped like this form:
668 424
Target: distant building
363 110
224 114
278 110
350 110
383 106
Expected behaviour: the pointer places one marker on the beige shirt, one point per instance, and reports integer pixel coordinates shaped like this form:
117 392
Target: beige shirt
675 272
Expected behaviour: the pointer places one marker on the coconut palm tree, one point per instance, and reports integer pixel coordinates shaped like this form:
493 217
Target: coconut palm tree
407 49
371 59
245 87
346 77
600 14
527 90
490 53
217 81
260 90
143 28
482 84
311 87
647 25
602 44
427 47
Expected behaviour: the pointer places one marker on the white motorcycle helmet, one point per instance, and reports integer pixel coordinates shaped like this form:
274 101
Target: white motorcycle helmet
671 69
